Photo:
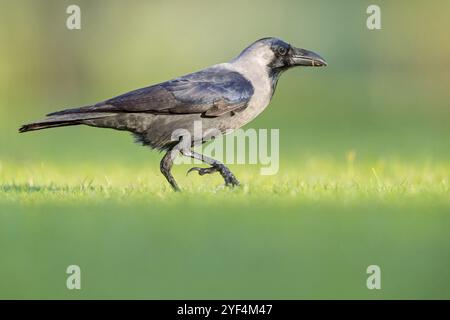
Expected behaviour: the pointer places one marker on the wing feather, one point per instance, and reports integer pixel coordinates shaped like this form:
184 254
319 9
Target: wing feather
213 91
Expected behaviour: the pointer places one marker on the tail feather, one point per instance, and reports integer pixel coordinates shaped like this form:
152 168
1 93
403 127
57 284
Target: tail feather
72 111
63 120
46 125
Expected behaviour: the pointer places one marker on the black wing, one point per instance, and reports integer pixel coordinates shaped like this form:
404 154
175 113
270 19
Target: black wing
213 92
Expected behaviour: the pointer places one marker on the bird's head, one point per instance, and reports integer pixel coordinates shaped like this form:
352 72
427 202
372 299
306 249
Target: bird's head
279 56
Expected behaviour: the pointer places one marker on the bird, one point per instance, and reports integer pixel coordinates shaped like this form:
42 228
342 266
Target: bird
224 97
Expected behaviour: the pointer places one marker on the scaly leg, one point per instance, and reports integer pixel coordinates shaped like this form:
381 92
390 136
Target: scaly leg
165 166
216 166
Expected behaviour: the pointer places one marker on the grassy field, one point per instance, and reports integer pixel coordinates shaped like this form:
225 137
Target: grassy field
309 181
308 232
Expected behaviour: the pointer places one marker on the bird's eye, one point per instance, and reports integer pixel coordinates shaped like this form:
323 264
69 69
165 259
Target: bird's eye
282 51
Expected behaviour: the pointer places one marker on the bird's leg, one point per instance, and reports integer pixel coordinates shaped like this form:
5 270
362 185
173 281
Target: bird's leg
165 166
216 166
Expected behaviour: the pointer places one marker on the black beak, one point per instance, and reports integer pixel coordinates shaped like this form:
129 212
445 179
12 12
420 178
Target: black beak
302 57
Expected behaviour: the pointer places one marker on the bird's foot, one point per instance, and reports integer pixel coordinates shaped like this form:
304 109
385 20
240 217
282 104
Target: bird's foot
203 171
228 176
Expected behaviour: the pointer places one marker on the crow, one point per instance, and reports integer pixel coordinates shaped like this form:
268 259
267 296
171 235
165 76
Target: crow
223 97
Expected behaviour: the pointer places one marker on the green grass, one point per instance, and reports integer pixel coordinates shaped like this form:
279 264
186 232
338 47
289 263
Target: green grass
308 232
85 196
310 180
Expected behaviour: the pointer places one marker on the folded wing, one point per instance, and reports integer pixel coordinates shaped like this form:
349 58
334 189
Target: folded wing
211 92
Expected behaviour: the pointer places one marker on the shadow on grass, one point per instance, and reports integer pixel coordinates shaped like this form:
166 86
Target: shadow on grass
27 188
30 188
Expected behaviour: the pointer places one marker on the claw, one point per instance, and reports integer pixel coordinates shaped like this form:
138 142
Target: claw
202 171
194 169
230 179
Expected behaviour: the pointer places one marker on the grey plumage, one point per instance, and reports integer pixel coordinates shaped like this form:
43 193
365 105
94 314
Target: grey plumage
225 96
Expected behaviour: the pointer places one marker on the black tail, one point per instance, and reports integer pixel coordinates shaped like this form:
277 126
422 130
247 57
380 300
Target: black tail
46 125
64 118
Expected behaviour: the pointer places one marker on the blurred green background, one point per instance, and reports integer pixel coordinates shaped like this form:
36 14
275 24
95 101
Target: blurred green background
378 114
